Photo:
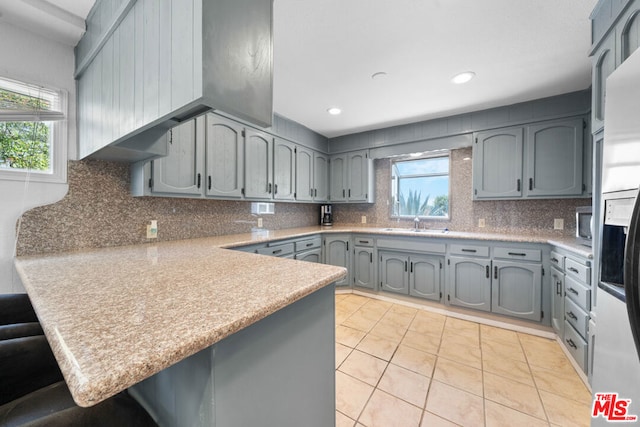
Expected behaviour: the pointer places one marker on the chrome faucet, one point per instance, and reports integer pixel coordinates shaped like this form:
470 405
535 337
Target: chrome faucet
416 223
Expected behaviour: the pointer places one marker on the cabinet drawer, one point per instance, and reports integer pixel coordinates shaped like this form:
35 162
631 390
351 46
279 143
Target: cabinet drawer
306 244
557 260
576 345
576 316
417 244
518 254
469 250
578 292
577 270
363 241
277 250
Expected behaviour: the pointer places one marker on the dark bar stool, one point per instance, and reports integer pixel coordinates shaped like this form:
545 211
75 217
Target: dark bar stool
32 390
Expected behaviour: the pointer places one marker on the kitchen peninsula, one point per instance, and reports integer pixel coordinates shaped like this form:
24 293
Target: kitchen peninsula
230 327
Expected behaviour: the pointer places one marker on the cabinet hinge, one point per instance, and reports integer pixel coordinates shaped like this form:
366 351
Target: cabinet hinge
476 140
542 314
441 267
440 295
244 134
242 191
448 262
584 124
448 297
150 182
295 195
584 187
543 271
295 150
171 136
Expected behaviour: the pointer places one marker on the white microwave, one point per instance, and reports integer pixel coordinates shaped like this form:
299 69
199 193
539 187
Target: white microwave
584 225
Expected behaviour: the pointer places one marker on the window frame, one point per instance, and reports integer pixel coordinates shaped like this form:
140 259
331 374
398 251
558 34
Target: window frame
59 137
394 190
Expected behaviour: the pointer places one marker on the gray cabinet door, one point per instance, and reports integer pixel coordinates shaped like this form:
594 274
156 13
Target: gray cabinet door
225 158
554 158
180 172
320 177
604 62
313 255
336 252
357 176
304 174
284 170
338 178
363 267
394 272
425 274
557 302
469 283
497 163
517 289
629 31
258 158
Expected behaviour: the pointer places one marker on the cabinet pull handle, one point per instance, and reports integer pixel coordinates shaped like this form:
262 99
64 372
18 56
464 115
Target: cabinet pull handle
517 254
209 182
275 189
199 180
530 183
555 260
411 266
575 270
571 343
495 271
310 192
277 251
405 266
571 315
315 192
343 193
558 287
518 185
473 251
309 244
573 291
488 272
349 192
371 257
364 242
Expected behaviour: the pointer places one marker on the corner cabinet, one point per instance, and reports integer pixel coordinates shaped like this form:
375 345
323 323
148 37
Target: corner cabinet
336 252
352 178
540 160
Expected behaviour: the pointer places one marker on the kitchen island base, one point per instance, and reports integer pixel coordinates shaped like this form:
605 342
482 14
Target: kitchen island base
279 371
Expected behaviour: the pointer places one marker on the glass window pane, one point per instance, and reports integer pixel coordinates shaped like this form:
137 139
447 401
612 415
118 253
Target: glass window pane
25 146
434 165
424 196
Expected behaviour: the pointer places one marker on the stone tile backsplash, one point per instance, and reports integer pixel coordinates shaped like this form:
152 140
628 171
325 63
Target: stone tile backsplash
99 211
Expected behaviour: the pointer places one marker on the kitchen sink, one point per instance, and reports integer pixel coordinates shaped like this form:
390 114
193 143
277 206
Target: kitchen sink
419 231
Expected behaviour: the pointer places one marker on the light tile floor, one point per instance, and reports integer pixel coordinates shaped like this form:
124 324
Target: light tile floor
400 366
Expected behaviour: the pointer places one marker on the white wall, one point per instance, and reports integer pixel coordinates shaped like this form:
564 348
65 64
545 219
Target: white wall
34 59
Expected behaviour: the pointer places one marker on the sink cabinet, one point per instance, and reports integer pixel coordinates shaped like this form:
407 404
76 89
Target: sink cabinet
469 282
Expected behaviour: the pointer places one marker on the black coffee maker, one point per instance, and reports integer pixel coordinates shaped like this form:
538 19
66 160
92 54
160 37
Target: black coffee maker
326 217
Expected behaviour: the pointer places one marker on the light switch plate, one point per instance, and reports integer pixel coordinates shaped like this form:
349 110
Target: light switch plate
558 224
481 222
364 219
259 222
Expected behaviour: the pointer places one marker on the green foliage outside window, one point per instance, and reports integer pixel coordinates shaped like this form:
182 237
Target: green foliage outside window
24 145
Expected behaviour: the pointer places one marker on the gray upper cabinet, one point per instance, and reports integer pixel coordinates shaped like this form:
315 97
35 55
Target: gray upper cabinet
628 31
543 159
469 283
352 177
257 165
320 177
554 158
224 158
497 163
603 64
284 169
144 66
517 289
304 174
181 171
425 276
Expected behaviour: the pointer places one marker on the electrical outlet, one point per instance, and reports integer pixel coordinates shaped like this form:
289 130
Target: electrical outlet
259 222
558 224
152 230
364 219
481 223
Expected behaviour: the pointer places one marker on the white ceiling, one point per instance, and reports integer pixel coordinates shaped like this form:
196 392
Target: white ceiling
325 53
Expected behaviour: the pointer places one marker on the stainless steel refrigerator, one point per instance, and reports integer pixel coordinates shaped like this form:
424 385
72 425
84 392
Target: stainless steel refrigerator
616 363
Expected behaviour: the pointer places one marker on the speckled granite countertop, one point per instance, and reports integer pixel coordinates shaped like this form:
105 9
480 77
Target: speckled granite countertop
237 240
116 316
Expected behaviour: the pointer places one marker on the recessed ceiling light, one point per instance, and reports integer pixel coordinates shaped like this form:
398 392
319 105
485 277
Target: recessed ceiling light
334 111
463 77
379 75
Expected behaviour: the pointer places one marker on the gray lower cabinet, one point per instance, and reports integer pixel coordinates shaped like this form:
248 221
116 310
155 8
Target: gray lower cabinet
557 303
394 272
425 276
313 255
336 252
469 282
517 289
364 273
